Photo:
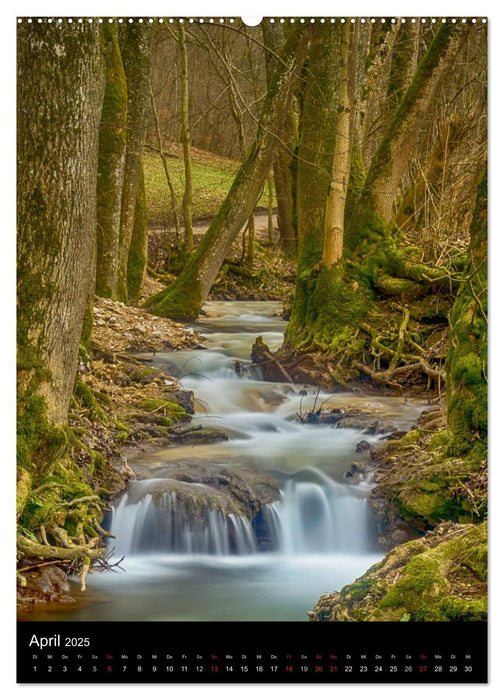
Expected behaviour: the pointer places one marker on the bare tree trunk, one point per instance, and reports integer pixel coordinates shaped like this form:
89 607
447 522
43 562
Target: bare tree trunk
336 199
320 116
317 134
271 202
251 239
185 137
135 42
282 172
389 162
61 81
164 160
111 158
185 297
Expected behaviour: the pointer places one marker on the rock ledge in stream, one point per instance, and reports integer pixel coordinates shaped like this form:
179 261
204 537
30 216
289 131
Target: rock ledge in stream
439 577
239 489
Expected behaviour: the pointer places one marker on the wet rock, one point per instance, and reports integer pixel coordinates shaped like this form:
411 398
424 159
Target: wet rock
354 422
199 436
381 427
396 435
241 489
44 585
183 398
355 473
363 446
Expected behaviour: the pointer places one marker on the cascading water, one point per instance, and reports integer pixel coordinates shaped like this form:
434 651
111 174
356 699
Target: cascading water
311 517
189 552
168 525
314 518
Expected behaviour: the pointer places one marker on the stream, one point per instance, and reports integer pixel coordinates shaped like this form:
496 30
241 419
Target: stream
315 537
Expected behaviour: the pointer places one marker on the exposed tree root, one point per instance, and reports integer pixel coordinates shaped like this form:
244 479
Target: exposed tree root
30 548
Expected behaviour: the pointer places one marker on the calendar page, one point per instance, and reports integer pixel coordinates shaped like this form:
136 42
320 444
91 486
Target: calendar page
252 349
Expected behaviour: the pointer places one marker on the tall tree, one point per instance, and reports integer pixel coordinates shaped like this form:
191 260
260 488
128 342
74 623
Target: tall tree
60 93
185 137
137 256
342 296
111 158
135 40
317 135
273 34
336 198
184 298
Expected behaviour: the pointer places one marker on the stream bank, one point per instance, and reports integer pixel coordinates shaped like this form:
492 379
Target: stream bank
249 518
269 481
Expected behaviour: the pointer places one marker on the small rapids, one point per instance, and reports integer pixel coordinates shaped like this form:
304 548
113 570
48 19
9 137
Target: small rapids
318 516
189 553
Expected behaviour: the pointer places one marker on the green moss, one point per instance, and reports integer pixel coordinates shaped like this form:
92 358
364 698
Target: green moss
112 144
48 506
182 300
84 393
39 443
334 305
357 590
86 399
425 587
466 362
411 438
137 257
161 412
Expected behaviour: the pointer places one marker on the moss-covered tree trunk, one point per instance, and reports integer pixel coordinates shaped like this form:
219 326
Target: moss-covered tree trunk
273 35
135 42
466 362
336 198
60 94
111 157
331 303
137 258
184 298
317 135
185 137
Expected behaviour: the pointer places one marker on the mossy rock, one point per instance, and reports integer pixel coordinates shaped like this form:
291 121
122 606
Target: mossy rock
161 412
441 577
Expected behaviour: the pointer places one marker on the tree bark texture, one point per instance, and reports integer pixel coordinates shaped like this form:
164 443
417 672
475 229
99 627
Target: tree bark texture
137 258
336 199
135 42
185 137
111 159
282 171
317 135
185 297
60 94
390 160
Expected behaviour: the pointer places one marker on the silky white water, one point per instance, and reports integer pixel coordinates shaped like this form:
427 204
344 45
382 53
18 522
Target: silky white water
315 538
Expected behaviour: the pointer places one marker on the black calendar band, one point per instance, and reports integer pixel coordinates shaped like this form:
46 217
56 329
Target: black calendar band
251 652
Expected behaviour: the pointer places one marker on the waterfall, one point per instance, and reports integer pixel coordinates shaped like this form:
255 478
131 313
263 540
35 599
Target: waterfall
166 524
313 516
317 518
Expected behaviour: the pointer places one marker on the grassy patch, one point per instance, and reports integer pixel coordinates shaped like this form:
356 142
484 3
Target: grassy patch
212 178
